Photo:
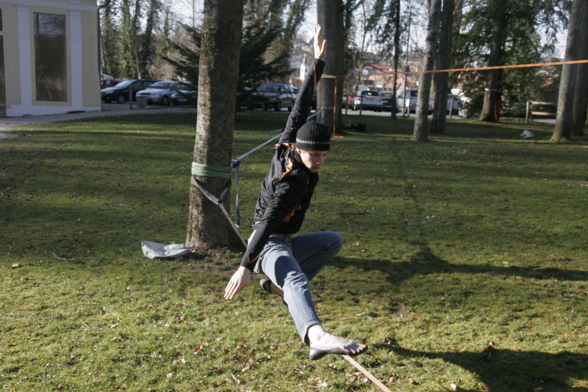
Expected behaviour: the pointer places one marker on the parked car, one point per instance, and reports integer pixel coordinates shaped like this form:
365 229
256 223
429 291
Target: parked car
161 92
104 83
187 94
408 103
387 100
120 92
367 99
277 95
348 99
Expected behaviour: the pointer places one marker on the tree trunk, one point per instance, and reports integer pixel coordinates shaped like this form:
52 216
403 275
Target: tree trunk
581 86
330 90
420 133
217 88
563 121
443 61
492 93
136 33
395 5
109 35
146 50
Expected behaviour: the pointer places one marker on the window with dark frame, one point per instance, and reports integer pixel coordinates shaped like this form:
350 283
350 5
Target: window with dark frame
50 57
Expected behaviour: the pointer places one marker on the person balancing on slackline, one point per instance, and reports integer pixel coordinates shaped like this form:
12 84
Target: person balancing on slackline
291 262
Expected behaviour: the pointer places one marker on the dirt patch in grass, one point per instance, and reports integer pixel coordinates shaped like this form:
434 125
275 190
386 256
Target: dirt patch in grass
215 261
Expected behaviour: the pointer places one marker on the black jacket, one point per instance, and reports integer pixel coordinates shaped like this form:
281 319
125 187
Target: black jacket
288 186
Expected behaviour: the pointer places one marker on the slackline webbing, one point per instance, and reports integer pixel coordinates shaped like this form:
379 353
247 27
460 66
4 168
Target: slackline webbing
398 72
570 62
201 170
220 201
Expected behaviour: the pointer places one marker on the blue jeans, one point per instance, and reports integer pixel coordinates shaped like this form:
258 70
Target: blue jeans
291 263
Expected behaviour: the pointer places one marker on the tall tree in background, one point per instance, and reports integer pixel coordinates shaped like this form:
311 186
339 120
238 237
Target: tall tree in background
217 87
492 93
109 36
187 56
163 44
351 51
565 120
146 50
330 91
420 133
130 14
364 26
283 16
296 13
386 17
441 81
528 35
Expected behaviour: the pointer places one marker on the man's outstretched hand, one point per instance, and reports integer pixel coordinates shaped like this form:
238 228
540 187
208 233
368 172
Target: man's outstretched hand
320 45
238 282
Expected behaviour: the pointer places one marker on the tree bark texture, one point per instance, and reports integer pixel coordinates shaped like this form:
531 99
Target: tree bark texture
217 88
443 61
493 82
330 90
420 133
581 86
395 8
564 118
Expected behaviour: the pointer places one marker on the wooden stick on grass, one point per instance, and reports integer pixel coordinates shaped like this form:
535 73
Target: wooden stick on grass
366 373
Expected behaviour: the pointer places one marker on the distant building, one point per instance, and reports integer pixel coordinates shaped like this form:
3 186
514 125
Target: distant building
48 57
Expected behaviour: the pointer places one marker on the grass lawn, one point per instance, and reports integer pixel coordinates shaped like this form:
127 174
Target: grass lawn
465 263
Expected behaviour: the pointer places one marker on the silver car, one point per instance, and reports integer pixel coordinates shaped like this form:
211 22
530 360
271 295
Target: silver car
410 102
367 99
161 92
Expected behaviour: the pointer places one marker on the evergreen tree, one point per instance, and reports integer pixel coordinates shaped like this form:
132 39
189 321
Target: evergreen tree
253 69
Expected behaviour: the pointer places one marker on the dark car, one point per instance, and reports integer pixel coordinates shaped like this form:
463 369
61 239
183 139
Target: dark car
187 94
104 83
120 92
387 100
277 95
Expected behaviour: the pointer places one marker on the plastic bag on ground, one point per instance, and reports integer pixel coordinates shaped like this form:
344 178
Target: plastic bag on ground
154 250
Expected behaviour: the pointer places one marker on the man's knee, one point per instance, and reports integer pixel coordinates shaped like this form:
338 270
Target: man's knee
335 240
298 279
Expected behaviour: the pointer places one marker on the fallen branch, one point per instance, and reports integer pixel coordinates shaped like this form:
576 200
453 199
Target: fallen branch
366 373
61 258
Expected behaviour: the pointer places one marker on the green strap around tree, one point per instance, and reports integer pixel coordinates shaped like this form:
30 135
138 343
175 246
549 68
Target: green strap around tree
201 170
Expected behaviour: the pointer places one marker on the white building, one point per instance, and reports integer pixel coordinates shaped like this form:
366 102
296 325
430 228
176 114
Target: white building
48 57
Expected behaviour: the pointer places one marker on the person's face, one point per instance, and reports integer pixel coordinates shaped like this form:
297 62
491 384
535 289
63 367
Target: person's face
313 160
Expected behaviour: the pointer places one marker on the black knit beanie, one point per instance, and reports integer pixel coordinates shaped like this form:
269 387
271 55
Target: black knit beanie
313 136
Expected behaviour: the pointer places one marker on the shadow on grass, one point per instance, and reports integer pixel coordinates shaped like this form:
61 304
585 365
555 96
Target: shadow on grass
494 367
